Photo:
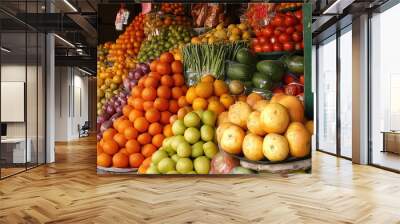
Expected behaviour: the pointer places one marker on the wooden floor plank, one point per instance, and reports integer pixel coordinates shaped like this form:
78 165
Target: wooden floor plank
70 191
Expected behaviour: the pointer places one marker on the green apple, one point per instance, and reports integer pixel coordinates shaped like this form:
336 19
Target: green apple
184 165
191 119
209 117
178 128
192 135
207 133
202 165
210 149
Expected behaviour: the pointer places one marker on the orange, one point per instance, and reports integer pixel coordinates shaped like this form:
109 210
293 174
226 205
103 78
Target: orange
153 65
126 110
182 101
151 82
124 151
227 100
138 103
191 95
207 78
144 138
167 80
136 91
135 160
130 100
110 147
123 125
120 160
164 92
109 134
213 98
155 75
199 104
157 140
204 89
161 104
152 115
155 128
220 87
148 150
147 105
167 57
134 114
104 160
141 81
216 107
163 68
149 93
132 146
146 162
130 133
177 92
165 115
173 106
253 98
167 131
142 169
182 112
173 118
242 98
178 79
141 124
177 67
99 149
120 139
184 89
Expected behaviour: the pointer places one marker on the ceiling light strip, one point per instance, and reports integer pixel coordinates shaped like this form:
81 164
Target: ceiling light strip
70 5
64 40
5 49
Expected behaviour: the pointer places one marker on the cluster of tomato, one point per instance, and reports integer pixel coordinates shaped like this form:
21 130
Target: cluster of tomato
283 33
128 44
173 8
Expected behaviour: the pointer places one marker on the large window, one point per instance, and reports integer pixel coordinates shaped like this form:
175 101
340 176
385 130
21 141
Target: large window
327 95
385 89
345 59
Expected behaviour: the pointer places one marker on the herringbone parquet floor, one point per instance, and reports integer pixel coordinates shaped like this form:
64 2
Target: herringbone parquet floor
69 191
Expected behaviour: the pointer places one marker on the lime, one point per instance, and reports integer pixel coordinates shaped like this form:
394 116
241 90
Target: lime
184 165
192 135
202 165
207 132
184 150
178 128
209 117
210 149
191 120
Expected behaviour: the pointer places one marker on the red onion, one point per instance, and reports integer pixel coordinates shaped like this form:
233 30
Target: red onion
131 75
115 116
106 125
138 74
144 67
110 110
99 136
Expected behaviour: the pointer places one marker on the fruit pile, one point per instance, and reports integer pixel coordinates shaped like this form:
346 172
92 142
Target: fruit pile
155 21
262 130
173 8
287 6
146 119
283 33
234 32
168 38
190 149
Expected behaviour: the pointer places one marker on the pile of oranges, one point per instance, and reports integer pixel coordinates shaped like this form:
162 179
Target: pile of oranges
210 94
173 8
147 117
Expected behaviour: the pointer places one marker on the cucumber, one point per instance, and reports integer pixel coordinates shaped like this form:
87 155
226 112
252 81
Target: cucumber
237 71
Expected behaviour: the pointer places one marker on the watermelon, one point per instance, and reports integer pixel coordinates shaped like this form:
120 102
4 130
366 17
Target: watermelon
274 69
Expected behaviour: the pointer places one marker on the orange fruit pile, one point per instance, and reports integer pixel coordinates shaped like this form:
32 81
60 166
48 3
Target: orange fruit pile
153 104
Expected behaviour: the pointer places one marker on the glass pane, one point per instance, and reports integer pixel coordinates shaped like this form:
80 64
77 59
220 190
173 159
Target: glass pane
385 84
327 96
13 86
41 99
346 94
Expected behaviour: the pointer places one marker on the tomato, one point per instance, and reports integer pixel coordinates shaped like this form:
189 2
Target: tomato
297 46
267 47
278 20
290 20
288 79
257 48
258 33
292 90
284 38
299 14
262 40
297 36
279 30
299 27
277 47
301 79
273 40
268 31
288 46
302 45
255 41
290 30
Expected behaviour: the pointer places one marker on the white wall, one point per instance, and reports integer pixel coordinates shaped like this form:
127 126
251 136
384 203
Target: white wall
71 102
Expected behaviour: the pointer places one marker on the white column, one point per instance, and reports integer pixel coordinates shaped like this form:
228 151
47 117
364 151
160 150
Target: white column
360 90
